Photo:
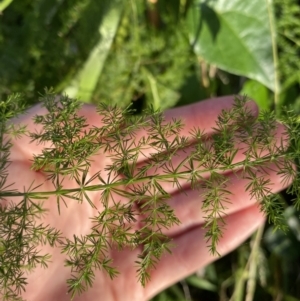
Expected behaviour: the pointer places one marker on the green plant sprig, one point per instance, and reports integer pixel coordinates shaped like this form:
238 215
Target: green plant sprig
140 167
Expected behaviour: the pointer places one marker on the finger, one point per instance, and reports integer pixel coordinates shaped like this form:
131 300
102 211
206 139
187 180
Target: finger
204 114
191 252
24 148
201 115
184 170
187 204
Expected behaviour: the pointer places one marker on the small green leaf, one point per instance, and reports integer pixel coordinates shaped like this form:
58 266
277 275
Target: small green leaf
201 283
258 92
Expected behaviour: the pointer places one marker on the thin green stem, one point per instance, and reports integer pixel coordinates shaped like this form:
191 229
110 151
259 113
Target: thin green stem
125 182
274 53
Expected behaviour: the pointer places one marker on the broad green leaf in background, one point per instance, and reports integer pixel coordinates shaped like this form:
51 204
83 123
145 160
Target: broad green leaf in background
84 83
236 36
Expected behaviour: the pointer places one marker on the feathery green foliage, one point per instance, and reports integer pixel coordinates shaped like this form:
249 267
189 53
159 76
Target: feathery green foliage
73 146
287 13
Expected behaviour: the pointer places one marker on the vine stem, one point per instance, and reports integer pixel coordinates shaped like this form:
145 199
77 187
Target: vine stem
274 53
125 182
253 263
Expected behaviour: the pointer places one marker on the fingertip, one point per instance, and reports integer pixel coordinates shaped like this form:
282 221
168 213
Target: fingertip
252 106
204 114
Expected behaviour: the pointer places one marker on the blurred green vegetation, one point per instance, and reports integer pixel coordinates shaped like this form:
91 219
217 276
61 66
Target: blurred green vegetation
169 53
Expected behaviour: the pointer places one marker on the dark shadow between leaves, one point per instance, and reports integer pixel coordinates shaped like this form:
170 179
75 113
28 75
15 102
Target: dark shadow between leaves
207 15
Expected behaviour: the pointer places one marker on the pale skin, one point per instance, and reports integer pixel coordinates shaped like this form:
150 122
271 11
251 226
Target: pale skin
190 253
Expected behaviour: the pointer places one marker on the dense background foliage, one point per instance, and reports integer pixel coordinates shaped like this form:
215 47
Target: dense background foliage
169 53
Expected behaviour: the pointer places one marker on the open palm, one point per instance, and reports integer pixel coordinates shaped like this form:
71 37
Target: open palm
190 252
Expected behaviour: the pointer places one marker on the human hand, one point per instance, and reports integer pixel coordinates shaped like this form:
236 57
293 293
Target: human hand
190 252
